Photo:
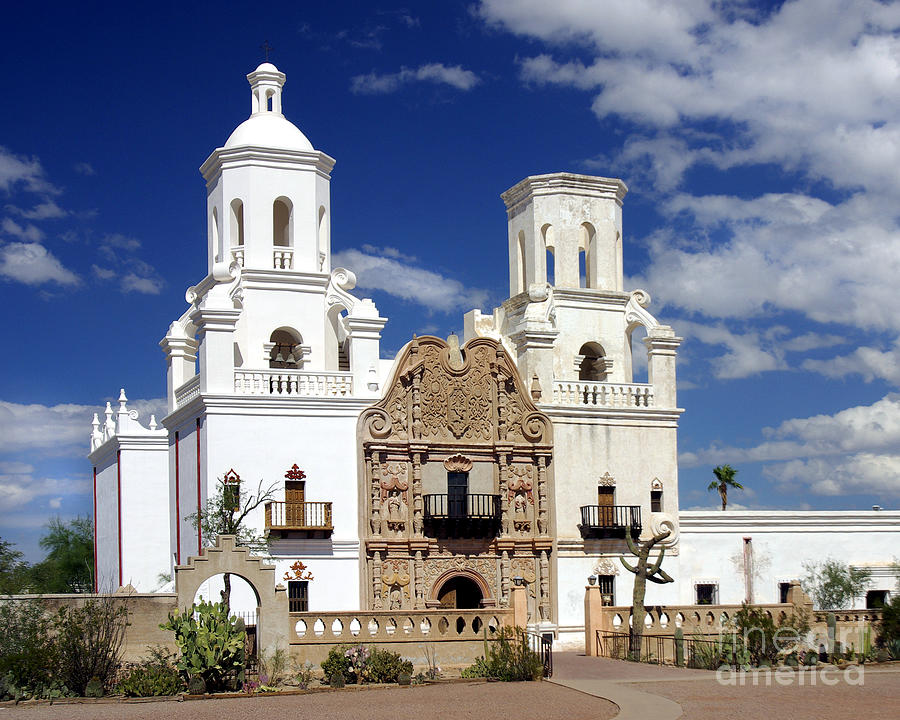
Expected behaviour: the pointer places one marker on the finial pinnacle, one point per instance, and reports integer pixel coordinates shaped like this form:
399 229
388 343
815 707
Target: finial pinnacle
265 47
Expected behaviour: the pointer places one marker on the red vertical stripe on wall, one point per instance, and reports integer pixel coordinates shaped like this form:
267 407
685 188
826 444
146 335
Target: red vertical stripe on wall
177 505
95 528
199 508
119 494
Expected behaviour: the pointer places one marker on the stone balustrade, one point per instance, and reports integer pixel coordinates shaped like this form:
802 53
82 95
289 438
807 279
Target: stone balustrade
388 626
601 394
290 383
283 258
187 392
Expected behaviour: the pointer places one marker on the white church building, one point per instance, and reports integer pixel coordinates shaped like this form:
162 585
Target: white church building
522 452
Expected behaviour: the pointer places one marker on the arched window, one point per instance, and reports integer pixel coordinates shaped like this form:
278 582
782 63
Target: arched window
593 365
586 250
281 223
285 349
237 223
214 231
549 238
323 237
522 285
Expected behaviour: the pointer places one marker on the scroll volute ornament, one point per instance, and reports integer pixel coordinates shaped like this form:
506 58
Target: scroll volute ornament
457 463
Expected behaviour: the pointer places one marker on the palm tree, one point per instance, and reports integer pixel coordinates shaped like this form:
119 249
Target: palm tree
724 479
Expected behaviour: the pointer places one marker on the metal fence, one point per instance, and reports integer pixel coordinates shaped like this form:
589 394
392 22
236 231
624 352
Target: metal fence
693 652
543 646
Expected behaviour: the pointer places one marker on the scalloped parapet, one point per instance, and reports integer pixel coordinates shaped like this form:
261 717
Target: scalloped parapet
120 422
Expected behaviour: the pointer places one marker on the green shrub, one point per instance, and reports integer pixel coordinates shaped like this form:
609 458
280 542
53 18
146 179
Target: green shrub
211 644
385 666
337 664
889 627
508 658
88 641
27 653
154 675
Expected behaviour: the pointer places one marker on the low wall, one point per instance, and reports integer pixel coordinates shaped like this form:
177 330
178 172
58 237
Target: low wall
146 611
456 636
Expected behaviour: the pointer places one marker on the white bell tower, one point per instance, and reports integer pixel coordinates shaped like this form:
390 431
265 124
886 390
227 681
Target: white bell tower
268 189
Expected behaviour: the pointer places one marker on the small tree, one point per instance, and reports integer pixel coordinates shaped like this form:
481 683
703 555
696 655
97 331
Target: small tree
833 585
69 564
724 480
643 572
13 569
225 513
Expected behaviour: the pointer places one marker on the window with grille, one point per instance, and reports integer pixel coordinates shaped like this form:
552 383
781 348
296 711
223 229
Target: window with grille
607 585
707 593
656 501
298 595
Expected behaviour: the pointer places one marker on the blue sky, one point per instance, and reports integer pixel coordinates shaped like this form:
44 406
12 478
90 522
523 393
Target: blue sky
760 143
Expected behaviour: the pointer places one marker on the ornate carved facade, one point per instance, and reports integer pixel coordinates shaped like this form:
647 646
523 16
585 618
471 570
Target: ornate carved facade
462 416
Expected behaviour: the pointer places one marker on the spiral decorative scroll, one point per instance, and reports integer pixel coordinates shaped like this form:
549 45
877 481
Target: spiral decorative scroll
661 522
133 414
343 278
533 427
378 424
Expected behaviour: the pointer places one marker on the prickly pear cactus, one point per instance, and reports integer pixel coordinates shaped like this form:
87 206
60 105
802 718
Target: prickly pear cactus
679 647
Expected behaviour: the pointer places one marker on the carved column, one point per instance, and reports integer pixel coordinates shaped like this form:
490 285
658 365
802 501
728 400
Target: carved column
545 586
504 578
418 520
416 405
504 499
543 524
419 570
376 579
376 493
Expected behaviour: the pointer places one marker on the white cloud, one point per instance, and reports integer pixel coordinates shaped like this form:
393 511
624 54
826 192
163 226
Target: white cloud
103 273
438 73
33 264
28 232
404 281
19 170
865 429
869 362
60 430
745 355
84 168
118 240
864 473
46 210
145 285
17 490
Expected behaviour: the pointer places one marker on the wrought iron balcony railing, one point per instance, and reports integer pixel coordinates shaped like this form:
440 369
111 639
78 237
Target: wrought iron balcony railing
600 521
462 514
311 518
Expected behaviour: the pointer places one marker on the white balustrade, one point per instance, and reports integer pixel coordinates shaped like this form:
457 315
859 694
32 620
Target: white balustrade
283 258
188 391
602 394
289 383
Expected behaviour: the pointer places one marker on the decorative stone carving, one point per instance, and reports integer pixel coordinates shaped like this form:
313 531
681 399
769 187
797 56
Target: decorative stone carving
457 463
605 566
437 566
393 479
524 568
660 522
635 310
521 514
395 584
295 473
521 481
606 480
444 394
656 484
544 603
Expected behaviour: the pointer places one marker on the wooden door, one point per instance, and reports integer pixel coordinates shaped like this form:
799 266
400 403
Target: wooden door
294 496
606 499
457 492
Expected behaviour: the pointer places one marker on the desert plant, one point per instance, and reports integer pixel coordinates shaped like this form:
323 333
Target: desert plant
508 658
211 644
156 674
27 653
833 585
336 664
385 666
304 675
88 641
889 626
273 666
643 572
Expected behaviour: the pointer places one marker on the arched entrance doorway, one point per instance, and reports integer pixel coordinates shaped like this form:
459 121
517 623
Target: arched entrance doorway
461 593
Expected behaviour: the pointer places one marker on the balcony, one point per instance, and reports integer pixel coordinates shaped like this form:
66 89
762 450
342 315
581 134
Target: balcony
602 394
610 521
293 383
462 515
303 519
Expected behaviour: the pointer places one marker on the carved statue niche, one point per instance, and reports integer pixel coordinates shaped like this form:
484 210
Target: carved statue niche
395 584
394 506
520 493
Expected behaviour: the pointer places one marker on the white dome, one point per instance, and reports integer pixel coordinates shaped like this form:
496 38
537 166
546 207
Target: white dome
269 130
267 67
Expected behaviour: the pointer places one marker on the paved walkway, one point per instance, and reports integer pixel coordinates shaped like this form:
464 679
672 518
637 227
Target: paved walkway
667 693
459 700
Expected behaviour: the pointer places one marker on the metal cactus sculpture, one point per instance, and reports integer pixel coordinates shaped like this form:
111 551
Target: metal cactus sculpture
643 572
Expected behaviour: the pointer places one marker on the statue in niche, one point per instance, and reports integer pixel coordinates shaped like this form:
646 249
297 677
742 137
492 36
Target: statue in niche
396 510
395 598
521 521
